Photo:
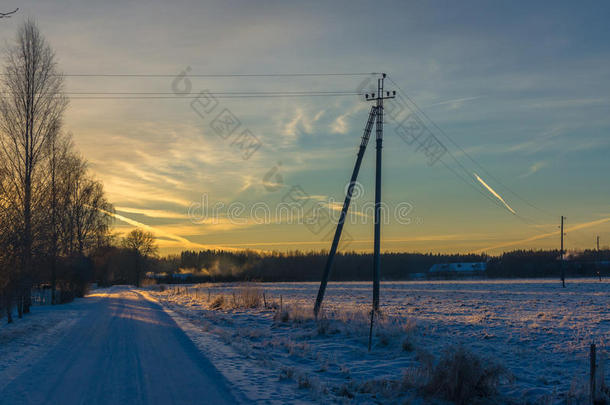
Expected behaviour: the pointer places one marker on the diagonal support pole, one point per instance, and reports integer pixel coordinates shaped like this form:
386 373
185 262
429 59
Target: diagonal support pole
348 197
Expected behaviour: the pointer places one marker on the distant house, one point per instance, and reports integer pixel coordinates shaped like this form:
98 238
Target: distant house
175 276
457 270
182 276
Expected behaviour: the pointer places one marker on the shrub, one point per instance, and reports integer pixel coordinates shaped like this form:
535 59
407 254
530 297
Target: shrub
304 381
250 297
296 314
462 377
407 345
286 373
218 302
148 282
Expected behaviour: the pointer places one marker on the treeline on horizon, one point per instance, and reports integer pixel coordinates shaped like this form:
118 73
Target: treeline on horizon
219 265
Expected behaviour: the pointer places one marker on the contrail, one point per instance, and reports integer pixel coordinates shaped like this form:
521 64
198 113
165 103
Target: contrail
159 232
544 235
491 190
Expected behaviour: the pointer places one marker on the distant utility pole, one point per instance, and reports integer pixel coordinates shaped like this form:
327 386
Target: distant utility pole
598 243
597 266
375 116
563 273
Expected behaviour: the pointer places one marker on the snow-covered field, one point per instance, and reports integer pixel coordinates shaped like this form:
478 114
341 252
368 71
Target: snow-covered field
539 332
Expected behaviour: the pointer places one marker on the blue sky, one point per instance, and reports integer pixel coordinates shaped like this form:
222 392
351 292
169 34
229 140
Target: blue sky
522 87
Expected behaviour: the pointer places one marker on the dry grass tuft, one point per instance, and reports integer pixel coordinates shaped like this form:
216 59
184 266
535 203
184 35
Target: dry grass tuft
246 297
249 297
294 314
218 302
462 377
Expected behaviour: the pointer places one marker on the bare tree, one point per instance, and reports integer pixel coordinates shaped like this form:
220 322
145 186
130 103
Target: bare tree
59 148
31 111
142 244
7 235
83 222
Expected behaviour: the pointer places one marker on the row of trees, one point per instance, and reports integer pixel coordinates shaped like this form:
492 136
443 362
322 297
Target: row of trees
128 261
547 263
218 265
53 213
303 266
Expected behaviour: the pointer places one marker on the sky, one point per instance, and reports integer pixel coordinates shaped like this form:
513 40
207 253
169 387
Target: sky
515 95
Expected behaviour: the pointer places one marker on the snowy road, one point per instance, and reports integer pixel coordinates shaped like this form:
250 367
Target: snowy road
124 350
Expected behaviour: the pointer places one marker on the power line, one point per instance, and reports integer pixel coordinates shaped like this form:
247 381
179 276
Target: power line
467 154
218 76
458 175
9 14
214 93
131 95
199 96
168 97
351 93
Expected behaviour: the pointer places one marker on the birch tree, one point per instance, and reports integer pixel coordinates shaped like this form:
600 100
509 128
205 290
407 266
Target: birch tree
31 111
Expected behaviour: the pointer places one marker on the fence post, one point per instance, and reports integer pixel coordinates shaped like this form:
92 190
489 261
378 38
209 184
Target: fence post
371 329
592 387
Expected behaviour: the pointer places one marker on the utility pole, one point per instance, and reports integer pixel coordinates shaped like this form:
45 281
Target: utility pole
377 243
598 243
379 138
375 113
598 257
348 197
563 275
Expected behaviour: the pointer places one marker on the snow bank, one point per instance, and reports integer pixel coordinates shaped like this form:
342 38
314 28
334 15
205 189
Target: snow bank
27 340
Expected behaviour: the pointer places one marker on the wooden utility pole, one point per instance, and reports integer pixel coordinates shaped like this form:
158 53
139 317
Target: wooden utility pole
348 198
598 243
563 273
375 117
592 374
377 242
597 266
380 96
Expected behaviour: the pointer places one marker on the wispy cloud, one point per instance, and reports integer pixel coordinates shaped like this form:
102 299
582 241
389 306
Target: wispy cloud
160 233
534 168
569 103
158 214
456 102
301 122
339 125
